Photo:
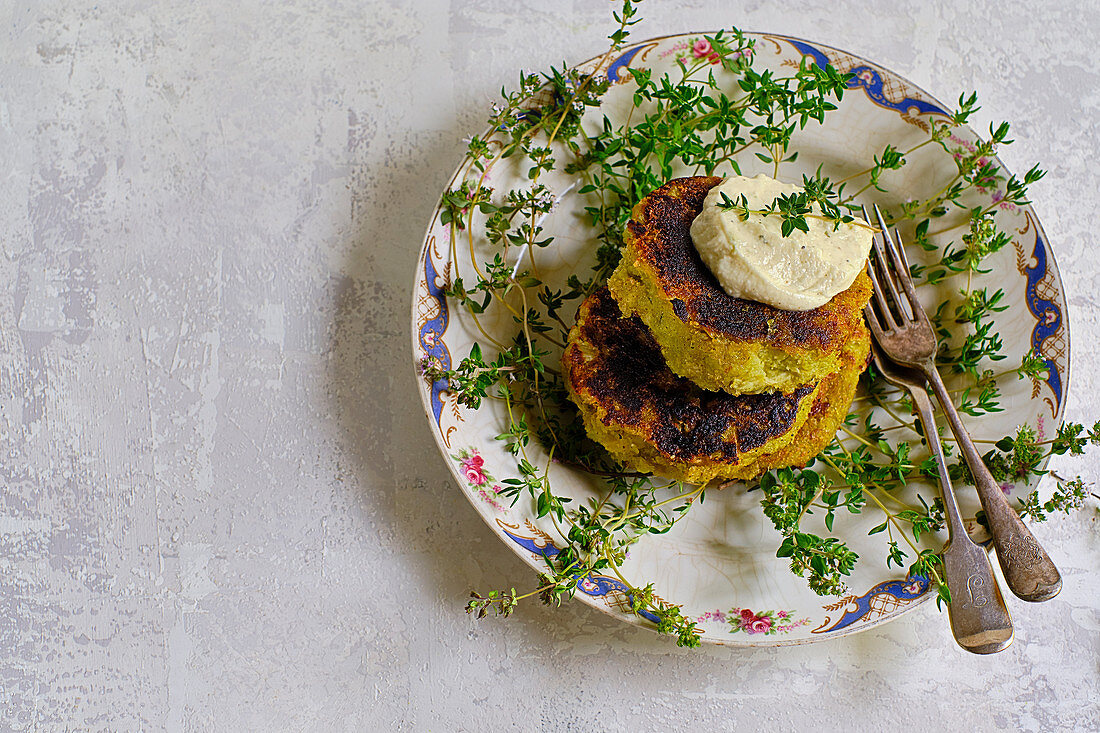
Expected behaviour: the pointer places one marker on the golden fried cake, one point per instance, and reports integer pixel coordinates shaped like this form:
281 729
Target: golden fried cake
655 421
832 402
718 341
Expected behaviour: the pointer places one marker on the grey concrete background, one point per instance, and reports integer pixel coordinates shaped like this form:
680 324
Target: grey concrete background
222 508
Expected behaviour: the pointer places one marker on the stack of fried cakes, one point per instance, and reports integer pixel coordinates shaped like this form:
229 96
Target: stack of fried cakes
677 378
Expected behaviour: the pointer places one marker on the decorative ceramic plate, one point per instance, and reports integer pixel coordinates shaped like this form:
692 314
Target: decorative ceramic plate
719 561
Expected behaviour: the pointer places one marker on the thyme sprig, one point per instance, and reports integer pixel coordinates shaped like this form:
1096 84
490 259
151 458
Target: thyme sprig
817 200
697 121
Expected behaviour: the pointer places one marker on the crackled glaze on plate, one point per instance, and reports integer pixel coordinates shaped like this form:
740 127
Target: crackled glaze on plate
719 561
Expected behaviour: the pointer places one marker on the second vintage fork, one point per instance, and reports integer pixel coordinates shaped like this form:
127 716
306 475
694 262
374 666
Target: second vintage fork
980 621
902 329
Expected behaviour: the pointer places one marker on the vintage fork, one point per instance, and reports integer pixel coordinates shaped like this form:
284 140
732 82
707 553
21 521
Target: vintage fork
906 336
980 620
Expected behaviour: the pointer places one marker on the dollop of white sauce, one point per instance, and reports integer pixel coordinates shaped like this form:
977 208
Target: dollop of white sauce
753 260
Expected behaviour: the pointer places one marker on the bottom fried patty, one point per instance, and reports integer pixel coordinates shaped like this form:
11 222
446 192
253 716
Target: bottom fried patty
656 422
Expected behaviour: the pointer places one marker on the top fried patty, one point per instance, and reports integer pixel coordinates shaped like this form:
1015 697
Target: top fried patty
718 341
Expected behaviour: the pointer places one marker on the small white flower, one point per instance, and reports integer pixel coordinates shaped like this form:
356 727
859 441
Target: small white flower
544 200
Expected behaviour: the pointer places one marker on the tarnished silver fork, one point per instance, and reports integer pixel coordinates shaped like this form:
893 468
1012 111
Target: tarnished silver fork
902 329
980 621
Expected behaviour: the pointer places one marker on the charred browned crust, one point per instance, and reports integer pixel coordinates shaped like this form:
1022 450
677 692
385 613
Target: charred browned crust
615 366
659 236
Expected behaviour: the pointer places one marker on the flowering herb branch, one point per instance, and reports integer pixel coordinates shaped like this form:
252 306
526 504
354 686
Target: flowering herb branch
694 122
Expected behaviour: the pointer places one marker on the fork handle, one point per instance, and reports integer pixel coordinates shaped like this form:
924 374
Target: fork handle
1027 568
980 621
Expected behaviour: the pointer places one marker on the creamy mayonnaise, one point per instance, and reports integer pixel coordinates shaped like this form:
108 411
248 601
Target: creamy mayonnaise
753 260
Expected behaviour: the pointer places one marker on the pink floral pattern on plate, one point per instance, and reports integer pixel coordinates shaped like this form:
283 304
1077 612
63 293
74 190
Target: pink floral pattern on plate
765 622
473 469
695 49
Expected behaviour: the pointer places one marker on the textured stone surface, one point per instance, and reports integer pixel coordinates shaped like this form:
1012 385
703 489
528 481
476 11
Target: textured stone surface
222 508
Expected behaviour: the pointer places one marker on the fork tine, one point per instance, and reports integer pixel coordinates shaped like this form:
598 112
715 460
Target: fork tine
872 321
884 261
887 316
901 265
